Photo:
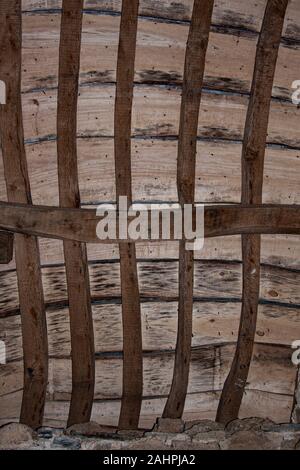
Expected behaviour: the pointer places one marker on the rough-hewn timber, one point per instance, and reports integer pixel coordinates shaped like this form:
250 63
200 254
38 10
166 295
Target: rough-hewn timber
186 170
81 322
131 310
30 287
254 144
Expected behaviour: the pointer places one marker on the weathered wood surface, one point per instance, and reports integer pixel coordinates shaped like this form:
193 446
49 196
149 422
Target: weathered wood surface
80 224
215 321
186 170
158 280
200 404
209 366
253 154
131 310
277 250
30 287
154 161
81 323
154 172
232 15
156 114
6 247
160 54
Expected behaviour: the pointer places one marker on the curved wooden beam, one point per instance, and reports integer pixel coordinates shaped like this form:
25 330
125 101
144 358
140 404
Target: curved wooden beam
186 168
81 224
81 321
131 310
34 328
254 144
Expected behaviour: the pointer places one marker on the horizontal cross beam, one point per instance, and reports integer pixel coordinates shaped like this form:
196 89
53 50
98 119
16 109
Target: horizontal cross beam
81 224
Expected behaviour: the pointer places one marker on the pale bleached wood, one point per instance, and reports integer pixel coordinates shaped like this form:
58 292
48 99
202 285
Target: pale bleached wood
198 406
277 250
243 17
154 172
158 280
131 310
30 287
213 323
155 114
208 369
160 55
186 171
253 154
81 323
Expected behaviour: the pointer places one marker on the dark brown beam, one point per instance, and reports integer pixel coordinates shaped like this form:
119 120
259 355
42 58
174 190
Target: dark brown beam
186 169
81 224
81 322
6 247
131 310
253 154
34 329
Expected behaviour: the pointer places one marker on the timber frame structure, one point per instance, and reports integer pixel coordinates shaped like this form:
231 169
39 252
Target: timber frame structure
22 223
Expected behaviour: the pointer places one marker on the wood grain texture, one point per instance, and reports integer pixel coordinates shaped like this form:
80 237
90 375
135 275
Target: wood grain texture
34 328
160 55
215 281
209 367
6 247
81 322
215 321
198 406
252 182
186 170
131 310
233 16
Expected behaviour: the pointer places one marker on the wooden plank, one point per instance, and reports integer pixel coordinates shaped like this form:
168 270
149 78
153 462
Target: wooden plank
6 247
81 322
252 181
131 310
34 328
156 114
244 18
277 250
198 406
186 170
154 172
215 321
160 55
80 224
209 367
158 280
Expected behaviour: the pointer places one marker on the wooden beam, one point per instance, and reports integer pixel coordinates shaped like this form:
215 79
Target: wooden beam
131 310
81 322
81 224
253 154
34 329
186 168
6 247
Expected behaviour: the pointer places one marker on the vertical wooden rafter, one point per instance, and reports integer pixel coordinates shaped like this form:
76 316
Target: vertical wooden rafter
131 310
253 153
81 323
34 328
186 164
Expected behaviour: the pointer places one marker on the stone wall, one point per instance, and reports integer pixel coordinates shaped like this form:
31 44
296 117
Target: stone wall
250 433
